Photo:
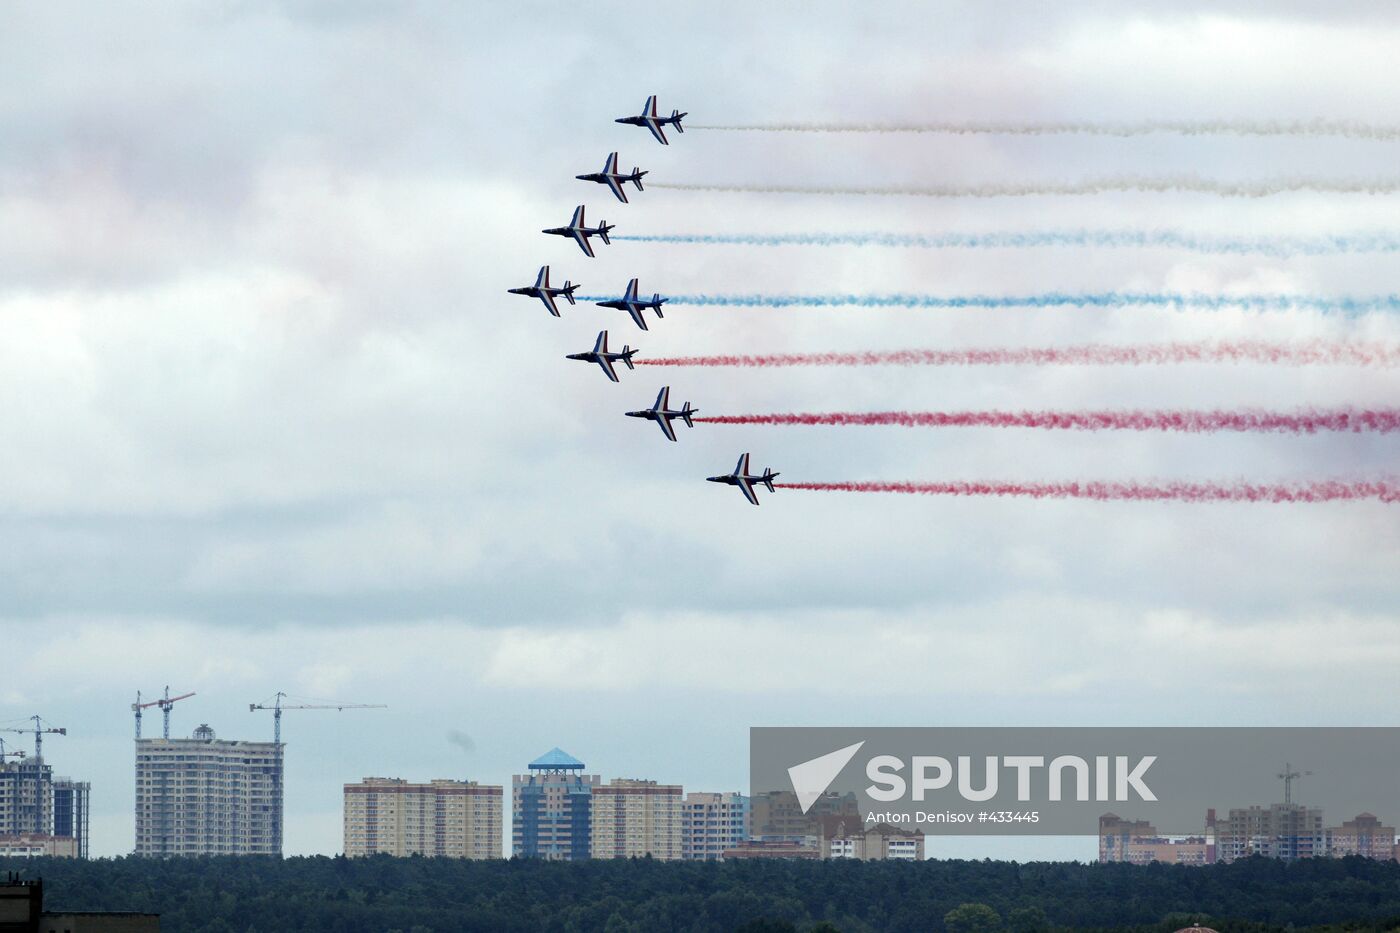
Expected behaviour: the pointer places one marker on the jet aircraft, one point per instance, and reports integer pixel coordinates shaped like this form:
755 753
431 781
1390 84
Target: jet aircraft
662 413
614 179
580 231
651 121
633 305
546 292
745 480
600 355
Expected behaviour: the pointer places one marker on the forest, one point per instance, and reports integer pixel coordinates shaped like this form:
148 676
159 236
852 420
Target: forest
423 895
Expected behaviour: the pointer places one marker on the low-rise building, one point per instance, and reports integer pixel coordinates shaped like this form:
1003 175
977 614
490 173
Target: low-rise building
777 848
850 837
22 911
36 845
444 818
1138 842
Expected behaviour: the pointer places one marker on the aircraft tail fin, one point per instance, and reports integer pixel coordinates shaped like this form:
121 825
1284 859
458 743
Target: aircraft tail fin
627 356
603 229
676 120
656 303
768 477
637 174
687 413
569 291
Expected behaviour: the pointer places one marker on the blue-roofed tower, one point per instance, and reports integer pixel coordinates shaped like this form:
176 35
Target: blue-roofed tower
552 806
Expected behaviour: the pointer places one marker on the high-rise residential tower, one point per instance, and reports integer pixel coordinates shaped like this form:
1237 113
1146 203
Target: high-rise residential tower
208 796
452 819
637 819
711 823
552 808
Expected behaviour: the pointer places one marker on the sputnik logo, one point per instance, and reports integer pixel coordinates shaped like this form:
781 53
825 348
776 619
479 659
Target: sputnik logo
811 778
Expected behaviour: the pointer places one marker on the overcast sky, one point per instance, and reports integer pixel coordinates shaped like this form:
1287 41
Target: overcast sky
271 422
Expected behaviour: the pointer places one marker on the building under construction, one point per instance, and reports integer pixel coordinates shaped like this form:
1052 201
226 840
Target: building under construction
40 814
208 796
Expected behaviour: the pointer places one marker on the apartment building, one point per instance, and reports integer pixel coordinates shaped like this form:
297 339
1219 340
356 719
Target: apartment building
1365 836
552 808
444 818
1285 831
208 796
712 823
635 818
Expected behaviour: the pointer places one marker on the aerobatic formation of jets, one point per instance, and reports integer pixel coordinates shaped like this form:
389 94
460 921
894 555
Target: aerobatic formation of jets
631 302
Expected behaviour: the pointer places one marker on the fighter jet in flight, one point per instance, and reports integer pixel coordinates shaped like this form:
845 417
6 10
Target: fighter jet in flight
633 305
662 414
546 292
614 179
600 355
651 121
580 231
742 478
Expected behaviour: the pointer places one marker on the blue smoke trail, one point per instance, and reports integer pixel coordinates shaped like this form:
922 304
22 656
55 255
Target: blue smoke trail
1179 300
1281 247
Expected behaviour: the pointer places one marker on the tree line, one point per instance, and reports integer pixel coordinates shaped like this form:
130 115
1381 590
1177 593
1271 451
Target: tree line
381 894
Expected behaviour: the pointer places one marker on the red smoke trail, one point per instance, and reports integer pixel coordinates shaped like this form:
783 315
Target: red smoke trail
1317 354
1192 422
1319 491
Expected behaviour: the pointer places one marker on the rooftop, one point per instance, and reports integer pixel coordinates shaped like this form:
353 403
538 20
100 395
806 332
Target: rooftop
556 759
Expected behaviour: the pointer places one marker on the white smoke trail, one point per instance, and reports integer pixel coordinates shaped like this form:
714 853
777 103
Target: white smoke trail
1349 129
1125 183
1281 247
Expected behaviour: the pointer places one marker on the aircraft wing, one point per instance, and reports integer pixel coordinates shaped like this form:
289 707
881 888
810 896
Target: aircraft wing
608 370
742 469
636 313
666 428
747 489
656 131
548 300
615 188
542 280
582 241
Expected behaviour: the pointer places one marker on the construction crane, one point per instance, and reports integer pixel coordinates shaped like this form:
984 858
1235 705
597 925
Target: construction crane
17 754
278 706
40 730
1288 776
164 703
